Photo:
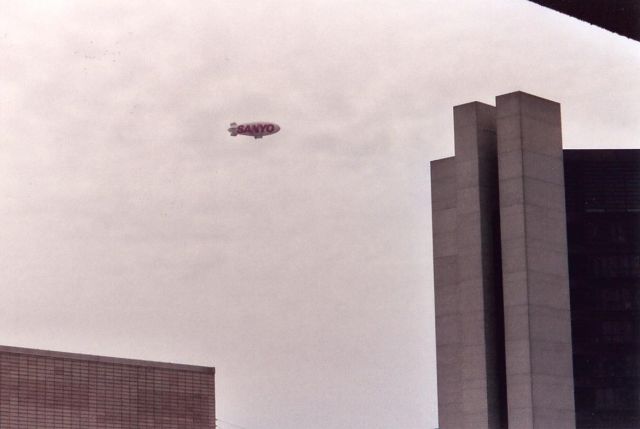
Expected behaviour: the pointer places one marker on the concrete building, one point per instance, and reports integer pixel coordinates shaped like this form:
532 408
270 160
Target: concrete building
509 287
44 389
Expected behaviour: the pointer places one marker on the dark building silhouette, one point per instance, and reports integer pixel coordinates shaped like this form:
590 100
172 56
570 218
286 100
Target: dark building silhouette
603 228
619 16
43 389
537 274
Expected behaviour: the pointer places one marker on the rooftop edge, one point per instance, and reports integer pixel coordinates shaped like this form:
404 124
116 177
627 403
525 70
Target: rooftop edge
104 359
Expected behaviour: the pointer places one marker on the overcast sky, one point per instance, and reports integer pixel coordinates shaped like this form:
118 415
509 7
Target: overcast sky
298 265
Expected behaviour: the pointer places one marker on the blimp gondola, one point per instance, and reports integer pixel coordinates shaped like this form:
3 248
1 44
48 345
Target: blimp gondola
257 130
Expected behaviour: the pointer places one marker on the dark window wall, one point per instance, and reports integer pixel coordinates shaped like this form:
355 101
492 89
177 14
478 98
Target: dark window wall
603 229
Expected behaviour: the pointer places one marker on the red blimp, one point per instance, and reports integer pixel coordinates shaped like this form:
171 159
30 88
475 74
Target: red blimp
256 130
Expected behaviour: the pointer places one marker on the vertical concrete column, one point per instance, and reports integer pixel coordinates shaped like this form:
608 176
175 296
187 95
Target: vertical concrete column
478 254
448 341
534 263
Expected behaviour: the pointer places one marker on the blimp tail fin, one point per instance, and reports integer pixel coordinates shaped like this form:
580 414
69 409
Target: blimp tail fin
233 130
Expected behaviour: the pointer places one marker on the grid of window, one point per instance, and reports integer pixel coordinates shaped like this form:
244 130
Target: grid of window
57 392
604 180
603 231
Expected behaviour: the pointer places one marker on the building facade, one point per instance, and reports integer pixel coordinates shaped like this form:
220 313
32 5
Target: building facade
525 337
603 230
44 389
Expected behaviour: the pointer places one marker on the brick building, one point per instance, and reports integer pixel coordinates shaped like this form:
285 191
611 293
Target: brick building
45 389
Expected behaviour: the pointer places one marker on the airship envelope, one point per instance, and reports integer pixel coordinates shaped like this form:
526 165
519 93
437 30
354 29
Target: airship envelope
254 129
